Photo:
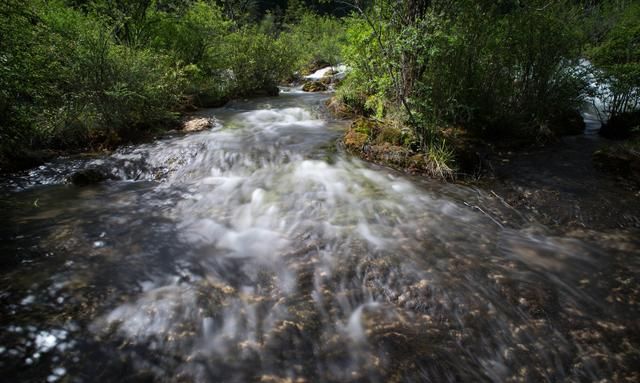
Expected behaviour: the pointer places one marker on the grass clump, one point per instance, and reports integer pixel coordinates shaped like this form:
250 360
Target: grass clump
389 143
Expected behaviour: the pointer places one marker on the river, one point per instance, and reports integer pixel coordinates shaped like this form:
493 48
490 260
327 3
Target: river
258 251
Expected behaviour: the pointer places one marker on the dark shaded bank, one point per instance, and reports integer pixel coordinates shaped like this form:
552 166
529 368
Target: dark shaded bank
562 186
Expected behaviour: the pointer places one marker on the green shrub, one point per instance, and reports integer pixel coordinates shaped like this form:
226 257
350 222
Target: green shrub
474 63
617 59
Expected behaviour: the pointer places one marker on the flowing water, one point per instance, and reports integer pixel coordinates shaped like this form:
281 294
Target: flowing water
259 252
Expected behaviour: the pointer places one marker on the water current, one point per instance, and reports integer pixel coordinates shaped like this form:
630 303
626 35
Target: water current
258 251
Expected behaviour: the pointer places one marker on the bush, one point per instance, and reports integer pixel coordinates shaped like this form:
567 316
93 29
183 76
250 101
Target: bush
77 75
473 63
257 62
616 57
315 40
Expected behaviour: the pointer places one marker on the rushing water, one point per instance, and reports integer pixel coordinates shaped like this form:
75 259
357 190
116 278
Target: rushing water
258 251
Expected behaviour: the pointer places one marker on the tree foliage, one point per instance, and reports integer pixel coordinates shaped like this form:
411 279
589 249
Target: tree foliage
616 56
88 74
481 64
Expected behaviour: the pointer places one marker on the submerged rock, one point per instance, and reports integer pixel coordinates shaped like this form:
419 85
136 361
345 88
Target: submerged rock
90 176
314 86
329 77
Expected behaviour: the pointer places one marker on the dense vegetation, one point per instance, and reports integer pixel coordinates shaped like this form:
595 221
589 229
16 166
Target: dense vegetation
90 74
78 75
497 69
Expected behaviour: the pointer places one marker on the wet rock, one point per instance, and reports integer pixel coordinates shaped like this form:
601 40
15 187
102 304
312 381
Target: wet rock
90 176
279 379
314 66
197 124
339 109
329 77
355 141
314 86
358 135
388 154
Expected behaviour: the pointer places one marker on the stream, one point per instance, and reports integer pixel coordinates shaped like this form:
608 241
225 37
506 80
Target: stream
258 251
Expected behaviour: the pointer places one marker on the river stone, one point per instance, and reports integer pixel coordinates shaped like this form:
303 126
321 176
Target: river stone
90 176
314 86
197 124
328 77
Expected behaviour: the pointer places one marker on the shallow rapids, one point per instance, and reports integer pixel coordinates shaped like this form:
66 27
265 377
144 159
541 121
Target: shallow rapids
259 252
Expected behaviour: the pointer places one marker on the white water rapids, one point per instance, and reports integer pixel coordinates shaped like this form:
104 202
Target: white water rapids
257 251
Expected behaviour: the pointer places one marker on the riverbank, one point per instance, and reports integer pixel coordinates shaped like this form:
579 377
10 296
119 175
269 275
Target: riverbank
561 186
188 120
575 182
252 243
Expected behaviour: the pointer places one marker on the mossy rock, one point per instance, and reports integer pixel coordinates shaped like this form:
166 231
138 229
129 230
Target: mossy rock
392 155
366 126
359 134
329 77
391 146
390 135
339 109
314 86
355 141
326 80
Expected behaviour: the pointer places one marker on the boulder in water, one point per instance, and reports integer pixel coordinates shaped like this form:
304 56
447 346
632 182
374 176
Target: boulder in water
197 124
90 176
329 77
315 66
314 86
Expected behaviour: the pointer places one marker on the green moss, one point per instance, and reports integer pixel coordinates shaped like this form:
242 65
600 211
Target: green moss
391 135
390 145
364 126
314 86
354 140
